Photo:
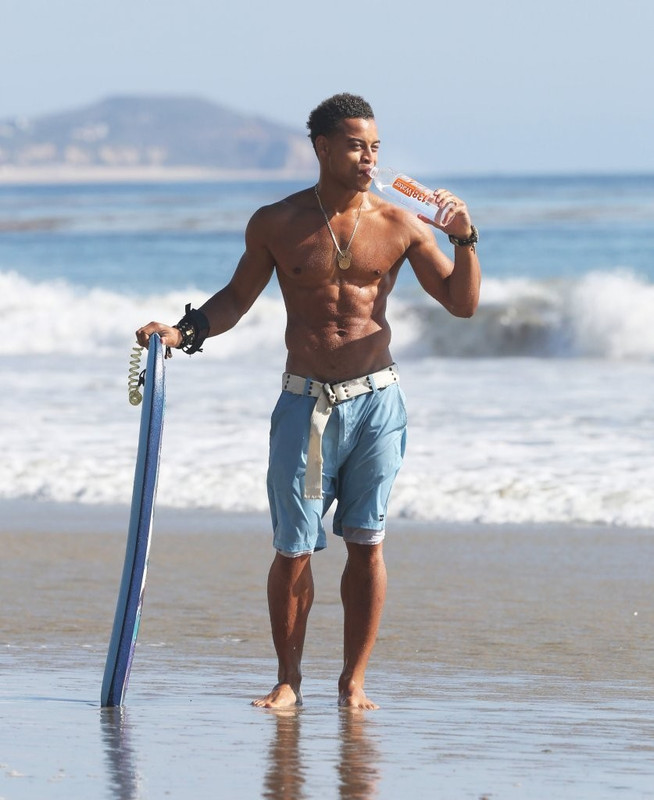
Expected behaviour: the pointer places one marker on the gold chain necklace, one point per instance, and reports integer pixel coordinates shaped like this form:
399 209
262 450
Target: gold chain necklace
343 257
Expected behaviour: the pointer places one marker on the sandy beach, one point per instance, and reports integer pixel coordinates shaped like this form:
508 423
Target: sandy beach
512 662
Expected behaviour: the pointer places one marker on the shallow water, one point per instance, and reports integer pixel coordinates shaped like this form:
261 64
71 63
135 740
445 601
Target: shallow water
188 735
511 663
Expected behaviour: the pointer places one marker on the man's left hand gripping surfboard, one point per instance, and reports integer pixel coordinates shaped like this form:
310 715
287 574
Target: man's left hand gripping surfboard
132 586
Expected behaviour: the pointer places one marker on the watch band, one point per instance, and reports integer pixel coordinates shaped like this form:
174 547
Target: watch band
472 239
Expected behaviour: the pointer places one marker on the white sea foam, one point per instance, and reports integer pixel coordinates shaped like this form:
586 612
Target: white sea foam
599 315
516 440
491 439
537 409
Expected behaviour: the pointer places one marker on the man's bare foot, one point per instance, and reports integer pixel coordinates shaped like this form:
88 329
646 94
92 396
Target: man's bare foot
353 696
283 695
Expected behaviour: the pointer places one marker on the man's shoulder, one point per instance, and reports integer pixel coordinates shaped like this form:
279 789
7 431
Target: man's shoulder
389 211
285 215
398 219
293 205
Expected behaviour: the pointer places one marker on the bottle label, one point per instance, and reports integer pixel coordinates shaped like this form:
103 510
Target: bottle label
410 189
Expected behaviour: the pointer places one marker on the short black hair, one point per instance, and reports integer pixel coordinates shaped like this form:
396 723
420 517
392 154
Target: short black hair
325 118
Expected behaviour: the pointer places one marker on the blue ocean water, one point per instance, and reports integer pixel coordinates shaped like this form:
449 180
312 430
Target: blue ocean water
127 236
537 409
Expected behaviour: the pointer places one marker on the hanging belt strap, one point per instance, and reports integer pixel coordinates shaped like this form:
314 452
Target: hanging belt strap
330 395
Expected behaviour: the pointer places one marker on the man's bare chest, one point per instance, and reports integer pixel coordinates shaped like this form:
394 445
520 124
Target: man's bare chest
320 254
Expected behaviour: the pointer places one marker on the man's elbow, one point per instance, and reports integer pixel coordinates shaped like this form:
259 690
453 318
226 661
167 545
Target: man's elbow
463 300
464 310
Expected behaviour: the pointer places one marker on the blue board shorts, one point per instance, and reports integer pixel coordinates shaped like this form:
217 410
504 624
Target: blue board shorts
362 448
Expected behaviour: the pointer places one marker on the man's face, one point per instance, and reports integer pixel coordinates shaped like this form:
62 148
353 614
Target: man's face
348 153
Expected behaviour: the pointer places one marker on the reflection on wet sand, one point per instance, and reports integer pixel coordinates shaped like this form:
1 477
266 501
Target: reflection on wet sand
359 757
285 775
123 778
356 758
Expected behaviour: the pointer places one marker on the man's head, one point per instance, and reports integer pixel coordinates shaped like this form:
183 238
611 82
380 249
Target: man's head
327 117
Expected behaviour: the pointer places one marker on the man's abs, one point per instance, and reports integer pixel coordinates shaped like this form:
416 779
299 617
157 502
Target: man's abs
335 352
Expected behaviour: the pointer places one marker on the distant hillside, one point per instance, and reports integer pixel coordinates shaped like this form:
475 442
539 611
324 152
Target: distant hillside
153 132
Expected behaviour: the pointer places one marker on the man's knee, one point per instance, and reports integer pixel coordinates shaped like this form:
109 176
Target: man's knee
365 554
290 574
290 562
289 555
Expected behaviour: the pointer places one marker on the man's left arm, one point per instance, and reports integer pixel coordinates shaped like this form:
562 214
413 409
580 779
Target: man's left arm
454 283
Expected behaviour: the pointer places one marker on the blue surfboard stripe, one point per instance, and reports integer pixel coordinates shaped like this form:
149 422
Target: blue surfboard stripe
132 587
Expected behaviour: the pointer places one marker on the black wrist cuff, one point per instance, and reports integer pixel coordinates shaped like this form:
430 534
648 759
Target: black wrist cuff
194 327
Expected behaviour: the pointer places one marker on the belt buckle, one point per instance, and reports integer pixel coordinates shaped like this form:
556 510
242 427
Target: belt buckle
327 389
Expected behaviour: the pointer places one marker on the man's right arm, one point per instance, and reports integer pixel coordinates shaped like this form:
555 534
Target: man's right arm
228 305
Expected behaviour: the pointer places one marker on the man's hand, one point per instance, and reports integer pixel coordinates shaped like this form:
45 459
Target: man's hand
170 337
456 219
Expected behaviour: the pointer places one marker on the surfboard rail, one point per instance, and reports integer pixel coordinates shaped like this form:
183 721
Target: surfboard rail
137 552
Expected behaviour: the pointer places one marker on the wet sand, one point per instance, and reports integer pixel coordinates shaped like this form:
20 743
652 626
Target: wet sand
512 662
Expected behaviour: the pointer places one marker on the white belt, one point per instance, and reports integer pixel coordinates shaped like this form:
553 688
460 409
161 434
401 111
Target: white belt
329 395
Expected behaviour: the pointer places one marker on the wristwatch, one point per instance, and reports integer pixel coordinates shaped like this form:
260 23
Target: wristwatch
472 239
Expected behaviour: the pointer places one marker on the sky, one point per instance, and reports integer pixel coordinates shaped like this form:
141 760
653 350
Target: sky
477 87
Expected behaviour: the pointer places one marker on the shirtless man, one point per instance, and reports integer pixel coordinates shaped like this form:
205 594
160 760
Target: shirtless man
337 250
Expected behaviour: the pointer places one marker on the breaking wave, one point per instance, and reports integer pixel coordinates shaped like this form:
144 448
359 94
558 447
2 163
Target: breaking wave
603 315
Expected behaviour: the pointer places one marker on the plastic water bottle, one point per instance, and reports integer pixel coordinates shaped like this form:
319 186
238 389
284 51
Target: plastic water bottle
407 191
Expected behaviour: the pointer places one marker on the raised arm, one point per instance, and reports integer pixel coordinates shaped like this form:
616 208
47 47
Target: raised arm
228 305
455 284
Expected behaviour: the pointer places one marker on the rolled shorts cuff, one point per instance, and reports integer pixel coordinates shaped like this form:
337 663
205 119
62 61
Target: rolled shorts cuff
363 535
288 554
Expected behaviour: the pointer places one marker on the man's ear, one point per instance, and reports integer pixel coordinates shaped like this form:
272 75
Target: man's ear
322 145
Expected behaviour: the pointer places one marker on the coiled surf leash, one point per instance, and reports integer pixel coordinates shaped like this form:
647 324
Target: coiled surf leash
136 377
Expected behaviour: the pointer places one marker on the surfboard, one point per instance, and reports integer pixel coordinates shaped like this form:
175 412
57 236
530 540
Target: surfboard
137 552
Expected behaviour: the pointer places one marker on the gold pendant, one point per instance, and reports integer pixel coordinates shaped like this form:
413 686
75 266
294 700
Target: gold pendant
344 259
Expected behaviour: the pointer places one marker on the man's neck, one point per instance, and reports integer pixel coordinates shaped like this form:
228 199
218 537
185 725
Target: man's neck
338 200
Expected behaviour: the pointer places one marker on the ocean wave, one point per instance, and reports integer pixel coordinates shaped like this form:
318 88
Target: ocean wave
603 315
227 489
